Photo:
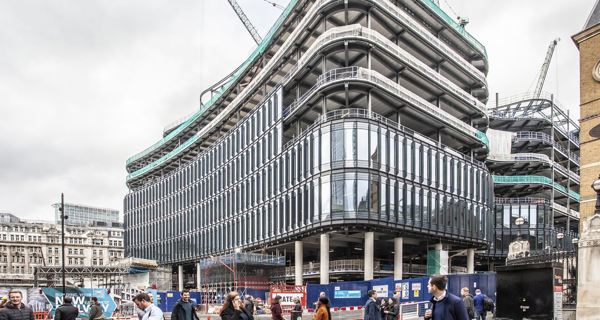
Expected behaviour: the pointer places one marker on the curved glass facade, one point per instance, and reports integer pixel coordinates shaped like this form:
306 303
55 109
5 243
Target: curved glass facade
250 190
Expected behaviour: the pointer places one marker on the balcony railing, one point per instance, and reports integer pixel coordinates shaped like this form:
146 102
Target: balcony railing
540 136
341 74
534 157
529 179
357 31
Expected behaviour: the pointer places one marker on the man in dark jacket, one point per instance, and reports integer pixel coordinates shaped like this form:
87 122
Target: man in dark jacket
185 309
67 311
95 309
15 309
446 306
468 301
372 308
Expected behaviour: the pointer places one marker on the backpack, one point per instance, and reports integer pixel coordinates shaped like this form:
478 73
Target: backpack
488 304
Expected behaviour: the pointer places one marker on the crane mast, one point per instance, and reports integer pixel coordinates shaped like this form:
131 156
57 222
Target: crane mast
249 26
545 66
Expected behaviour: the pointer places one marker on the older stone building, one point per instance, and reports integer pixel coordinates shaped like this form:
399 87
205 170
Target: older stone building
27 244
588 42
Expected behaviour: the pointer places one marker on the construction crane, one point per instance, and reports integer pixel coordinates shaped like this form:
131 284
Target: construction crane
249 26
545 66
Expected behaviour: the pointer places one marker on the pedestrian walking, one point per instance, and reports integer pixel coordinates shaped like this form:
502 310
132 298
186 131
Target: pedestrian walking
95 309
233 308
276 311
250 305
323 309
184 309
296 313
151 312
468 301
480 304
383 307
67 311
372 309
15 309
392 309
446 306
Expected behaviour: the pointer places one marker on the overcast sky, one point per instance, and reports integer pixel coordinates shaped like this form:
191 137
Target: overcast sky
86 84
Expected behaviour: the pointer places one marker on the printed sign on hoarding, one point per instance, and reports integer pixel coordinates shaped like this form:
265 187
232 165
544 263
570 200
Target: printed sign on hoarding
347 294
81 299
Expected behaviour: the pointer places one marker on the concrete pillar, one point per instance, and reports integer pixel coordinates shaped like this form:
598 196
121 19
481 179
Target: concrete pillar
324 263
369 244
180 274
298 251
470 260
441 263
198 277
398 244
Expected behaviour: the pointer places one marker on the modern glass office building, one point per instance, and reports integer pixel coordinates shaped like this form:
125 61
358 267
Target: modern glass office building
353 124
534 160
85 215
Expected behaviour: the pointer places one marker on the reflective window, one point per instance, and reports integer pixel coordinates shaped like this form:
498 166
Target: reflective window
362 195
349 144
325 200
374 148
349 195
362 144
325 147
337 151
337 196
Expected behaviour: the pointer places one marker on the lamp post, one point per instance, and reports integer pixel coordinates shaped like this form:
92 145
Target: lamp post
519 222
596 187
560 236
63 217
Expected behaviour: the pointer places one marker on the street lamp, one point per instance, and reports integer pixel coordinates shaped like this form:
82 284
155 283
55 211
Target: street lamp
596 187
519 222
63 217
560 237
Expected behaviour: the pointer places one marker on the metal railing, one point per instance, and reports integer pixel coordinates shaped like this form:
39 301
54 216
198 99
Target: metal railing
459 28
359 32
532 200
388 7
568 258
349 73
546 138
534 157
529 179
509 108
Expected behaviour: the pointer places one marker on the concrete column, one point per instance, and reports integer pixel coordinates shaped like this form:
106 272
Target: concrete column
298 251
324 263
180 274
198 277
398 244
470 260
442 256
369 244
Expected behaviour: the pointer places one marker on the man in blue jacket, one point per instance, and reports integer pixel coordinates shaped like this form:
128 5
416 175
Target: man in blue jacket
372 311
446 306
479 304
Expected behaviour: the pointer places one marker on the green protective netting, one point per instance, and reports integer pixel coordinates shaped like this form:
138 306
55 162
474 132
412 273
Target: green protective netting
433 262
535 179
460 29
